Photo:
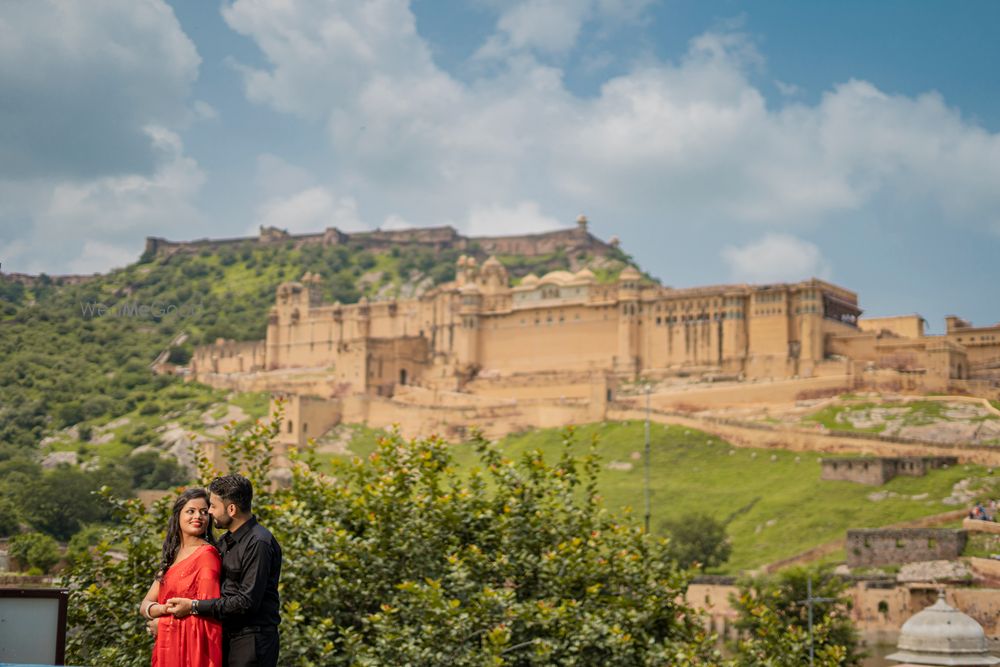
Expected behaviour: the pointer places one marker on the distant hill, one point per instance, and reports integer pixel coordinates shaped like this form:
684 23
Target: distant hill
75 348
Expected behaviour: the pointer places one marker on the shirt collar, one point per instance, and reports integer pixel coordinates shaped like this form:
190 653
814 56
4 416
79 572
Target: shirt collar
241 532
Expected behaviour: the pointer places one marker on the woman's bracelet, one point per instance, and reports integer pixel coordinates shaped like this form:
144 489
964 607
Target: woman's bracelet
148 609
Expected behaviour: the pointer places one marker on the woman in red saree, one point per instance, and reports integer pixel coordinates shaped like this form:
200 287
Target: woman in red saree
190 568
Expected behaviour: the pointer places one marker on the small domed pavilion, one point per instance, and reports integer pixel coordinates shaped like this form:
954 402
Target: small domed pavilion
942 635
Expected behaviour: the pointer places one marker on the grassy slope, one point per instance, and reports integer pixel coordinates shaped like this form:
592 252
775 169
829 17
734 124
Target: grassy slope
689 475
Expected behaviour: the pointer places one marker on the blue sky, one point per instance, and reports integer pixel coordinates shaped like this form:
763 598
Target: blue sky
721 141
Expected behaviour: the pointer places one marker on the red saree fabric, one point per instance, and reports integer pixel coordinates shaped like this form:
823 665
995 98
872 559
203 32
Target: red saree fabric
193 641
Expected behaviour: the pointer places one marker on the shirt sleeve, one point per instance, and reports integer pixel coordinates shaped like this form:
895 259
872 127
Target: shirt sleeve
250 588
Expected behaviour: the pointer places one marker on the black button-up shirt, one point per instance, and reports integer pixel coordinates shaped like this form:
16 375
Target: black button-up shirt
251 566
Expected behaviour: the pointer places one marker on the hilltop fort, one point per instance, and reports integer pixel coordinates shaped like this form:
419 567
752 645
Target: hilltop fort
485 349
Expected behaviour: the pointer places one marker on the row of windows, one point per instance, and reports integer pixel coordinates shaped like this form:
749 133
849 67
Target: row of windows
769 297
972 339
806 309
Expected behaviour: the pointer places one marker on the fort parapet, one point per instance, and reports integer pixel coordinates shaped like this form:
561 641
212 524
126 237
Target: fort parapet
878 471
572 240
886 546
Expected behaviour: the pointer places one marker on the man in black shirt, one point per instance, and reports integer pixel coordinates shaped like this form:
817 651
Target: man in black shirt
248 604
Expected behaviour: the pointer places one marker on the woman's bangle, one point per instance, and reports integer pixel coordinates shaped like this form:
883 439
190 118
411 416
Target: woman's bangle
144 609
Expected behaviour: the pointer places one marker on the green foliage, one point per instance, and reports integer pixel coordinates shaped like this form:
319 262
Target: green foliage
180 355
773 621
10 517
107 583
60 501
83 541
34 550
403 560
698 540
150 470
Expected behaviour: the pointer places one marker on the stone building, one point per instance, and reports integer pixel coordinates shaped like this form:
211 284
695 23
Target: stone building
879 470
893 546
482 325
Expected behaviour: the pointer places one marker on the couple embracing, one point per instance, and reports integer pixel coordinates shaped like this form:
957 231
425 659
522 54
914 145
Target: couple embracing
215 603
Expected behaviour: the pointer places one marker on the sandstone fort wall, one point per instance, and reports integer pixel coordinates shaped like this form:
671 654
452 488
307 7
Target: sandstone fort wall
876 547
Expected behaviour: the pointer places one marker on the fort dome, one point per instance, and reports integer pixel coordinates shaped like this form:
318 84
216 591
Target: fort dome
559 277
585 274
942 635
629 273
530 279
492 262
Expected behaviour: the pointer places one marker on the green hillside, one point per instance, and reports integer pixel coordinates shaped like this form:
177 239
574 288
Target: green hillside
75 354
776 508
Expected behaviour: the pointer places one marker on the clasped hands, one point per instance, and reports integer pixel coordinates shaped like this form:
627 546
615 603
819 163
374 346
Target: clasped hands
179 607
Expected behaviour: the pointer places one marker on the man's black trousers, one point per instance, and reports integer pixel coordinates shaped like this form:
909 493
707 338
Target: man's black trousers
251 647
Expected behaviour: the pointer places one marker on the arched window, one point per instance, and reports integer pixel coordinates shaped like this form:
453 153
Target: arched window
402 376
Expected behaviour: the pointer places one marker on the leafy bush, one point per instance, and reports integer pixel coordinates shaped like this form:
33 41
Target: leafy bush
698 540
60 501
80 544
773 621
403 560
34 550
10 517
150 470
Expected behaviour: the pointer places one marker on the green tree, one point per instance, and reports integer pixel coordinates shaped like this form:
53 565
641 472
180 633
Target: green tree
34 550
400 559
60 501
10 517
773 621
151 470
698 540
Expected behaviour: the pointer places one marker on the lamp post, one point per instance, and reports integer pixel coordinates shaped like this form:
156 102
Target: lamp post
648 510
809 602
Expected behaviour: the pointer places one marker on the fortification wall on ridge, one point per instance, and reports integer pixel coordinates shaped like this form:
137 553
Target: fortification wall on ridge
569 240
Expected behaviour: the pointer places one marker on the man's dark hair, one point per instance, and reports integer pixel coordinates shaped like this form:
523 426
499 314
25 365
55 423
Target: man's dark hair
235 489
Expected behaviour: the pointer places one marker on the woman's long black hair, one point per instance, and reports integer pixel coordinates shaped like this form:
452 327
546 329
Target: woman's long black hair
173 542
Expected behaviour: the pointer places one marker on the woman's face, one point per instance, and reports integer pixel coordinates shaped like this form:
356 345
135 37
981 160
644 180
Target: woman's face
194 517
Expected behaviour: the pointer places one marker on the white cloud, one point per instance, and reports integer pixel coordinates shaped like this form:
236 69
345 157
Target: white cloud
276 176
78 225
310 210
552 27
687 140
524 218
88 76
98 257
204 111
394 221
90 161
775 258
